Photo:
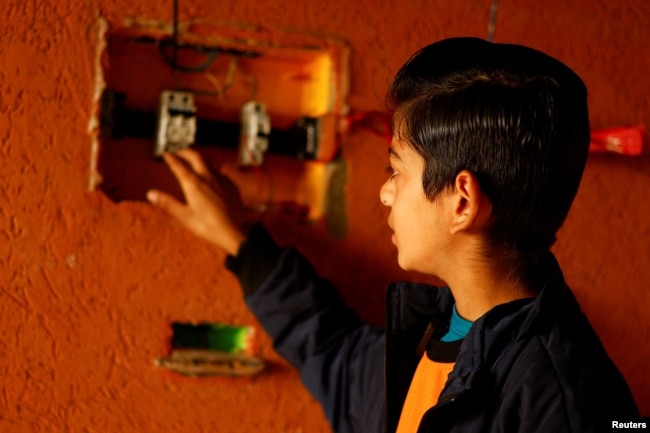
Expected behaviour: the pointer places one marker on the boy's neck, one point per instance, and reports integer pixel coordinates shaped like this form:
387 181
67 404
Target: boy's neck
479 287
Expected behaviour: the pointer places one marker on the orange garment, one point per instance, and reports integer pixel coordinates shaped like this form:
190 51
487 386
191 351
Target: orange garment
427 383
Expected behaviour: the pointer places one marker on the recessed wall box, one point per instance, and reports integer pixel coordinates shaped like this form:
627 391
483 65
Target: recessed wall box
212 349
243 96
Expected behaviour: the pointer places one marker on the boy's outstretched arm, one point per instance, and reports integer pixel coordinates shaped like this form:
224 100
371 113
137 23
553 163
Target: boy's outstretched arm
339 358
213 210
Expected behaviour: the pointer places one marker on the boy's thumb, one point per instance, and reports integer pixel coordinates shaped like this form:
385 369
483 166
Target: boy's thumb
167 203
153 196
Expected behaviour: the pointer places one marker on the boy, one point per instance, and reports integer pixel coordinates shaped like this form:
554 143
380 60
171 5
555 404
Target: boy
489 148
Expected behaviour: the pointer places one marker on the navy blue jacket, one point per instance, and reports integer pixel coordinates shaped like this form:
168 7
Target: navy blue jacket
533 365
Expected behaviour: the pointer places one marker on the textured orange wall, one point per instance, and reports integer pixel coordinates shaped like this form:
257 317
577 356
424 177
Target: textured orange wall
88 287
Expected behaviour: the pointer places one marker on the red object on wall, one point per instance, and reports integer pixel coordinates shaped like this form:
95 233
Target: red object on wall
626 140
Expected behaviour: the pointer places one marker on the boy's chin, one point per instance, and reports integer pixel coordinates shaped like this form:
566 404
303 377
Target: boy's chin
413 266
403 263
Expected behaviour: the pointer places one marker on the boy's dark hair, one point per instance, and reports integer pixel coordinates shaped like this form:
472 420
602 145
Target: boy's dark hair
514 116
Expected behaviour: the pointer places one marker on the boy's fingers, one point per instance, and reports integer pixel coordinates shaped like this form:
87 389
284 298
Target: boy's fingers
194 160
186 177
180 170
169 204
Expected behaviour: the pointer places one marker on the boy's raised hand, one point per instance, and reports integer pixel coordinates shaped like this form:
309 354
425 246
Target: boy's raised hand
213 209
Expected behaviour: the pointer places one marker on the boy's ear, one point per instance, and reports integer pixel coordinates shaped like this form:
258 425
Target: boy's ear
470 207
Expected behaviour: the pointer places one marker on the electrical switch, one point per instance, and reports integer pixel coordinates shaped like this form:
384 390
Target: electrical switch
255 131
176 122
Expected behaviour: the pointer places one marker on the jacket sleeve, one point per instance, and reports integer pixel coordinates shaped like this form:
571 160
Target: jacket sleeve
340 359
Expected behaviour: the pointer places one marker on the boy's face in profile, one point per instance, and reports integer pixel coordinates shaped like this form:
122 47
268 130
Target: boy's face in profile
420 226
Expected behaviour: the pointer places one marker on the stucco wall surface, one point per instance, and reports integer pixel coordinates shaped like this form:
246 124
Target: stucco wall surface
89 287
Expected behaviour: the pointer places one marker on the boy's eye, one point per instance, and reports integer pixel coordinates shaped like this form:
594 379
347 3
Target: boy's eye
391 171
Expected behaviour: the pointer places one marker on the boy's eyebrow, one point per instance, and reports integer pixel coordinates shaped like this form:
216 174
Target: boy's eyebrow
393 152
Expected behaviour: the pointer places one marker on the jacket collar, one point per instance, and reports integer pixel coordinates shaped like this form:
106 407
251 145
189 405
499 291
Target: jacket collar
412 305
497 330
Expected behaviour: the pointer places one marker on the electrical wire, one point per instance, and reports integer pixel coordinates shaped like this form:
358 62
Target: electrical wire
173 63
377 122
175 36
493 20
212 55
253 82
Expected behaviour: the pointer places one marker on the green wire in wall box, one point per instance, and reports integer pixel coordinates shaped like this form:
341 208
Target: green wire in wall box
212 336
212 349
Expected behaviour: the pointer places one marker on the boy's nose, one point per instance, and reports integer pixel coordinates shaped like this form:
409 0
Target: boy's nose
386 194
